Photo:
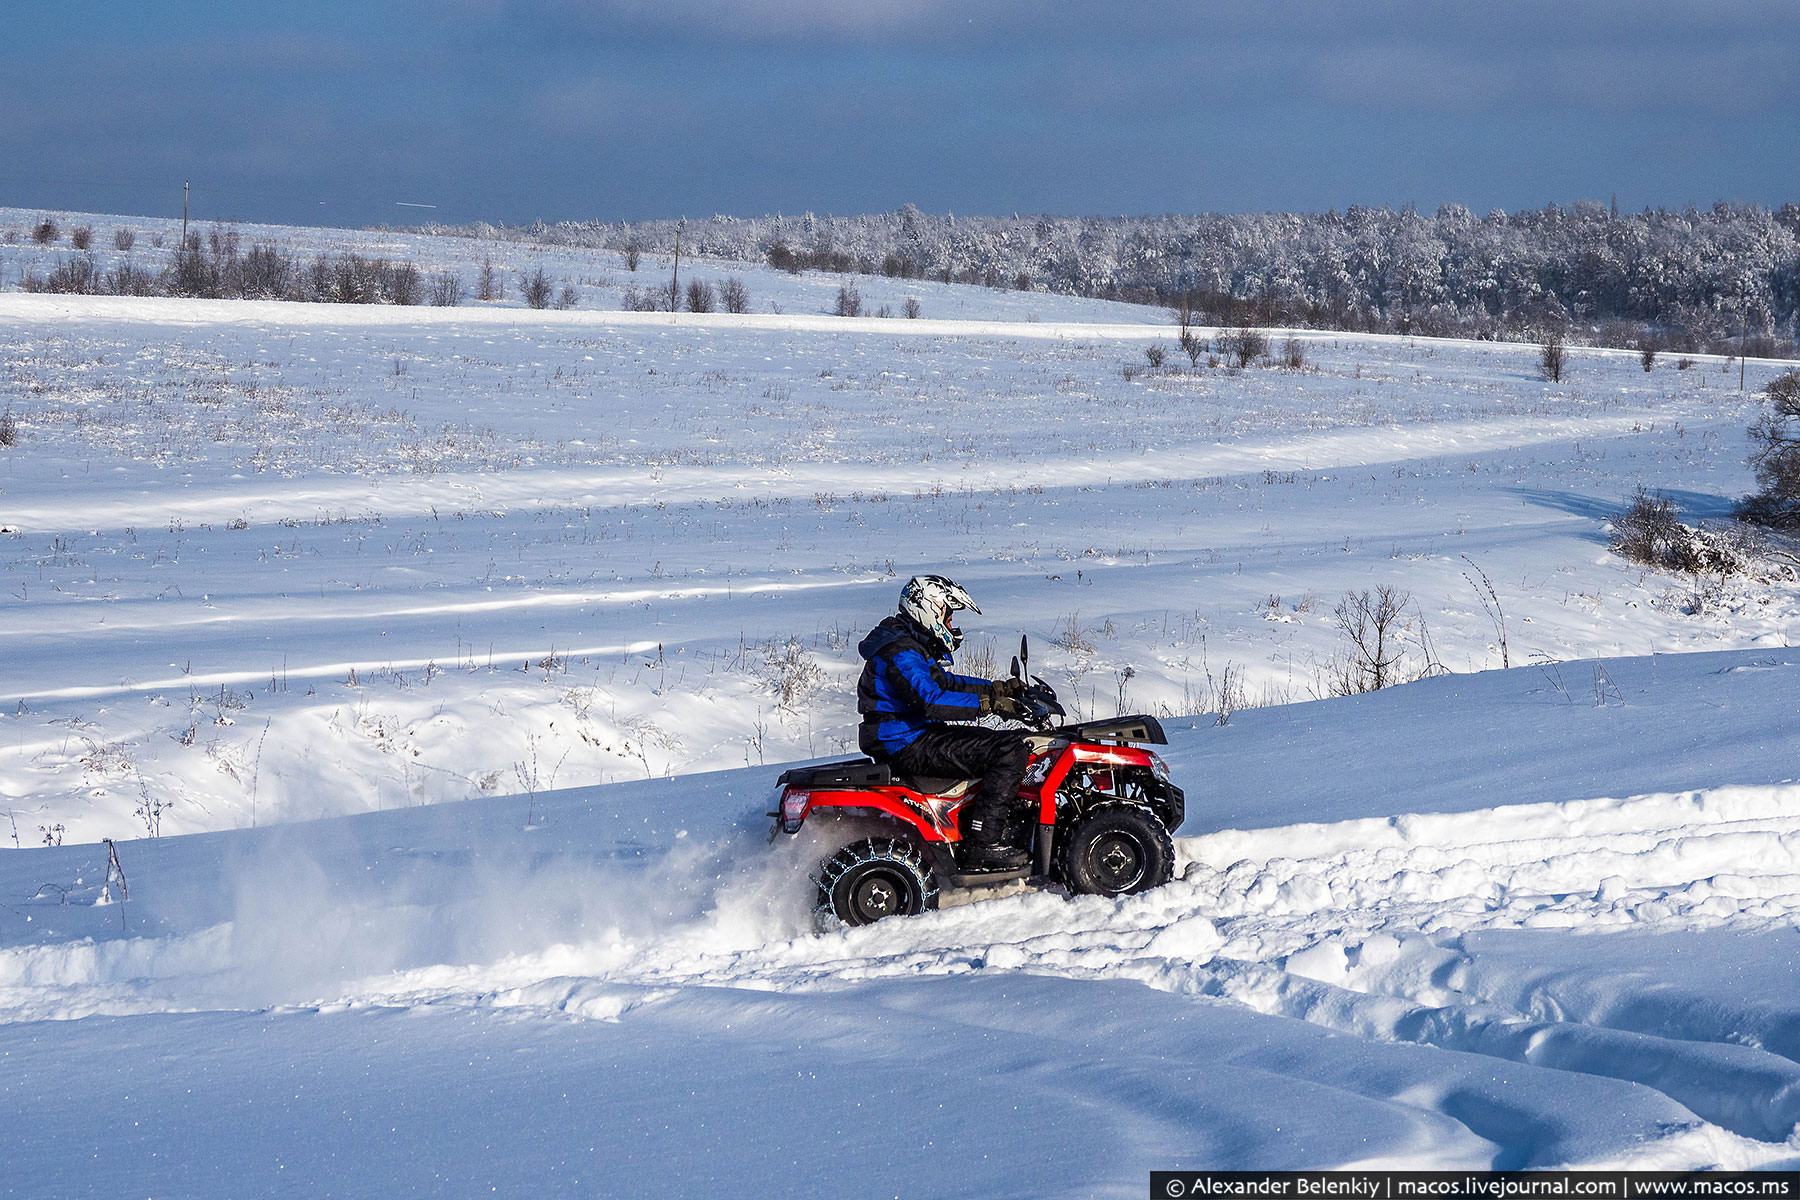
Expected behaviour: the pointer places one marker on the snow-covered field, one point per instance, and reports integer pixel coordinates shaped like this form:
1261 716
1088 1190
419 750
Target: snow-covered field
430 667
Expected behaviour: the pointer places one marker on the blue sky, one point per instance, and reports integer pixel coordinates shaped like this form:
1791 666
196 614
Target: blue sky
515 110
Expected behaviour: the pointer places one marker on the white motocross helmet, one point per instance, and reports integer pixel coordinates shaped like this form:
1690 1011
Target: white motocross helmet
931 601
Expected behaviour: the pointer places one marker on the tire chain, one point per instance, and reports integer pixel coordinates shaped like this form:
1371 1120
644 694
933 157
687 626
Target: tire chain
871 850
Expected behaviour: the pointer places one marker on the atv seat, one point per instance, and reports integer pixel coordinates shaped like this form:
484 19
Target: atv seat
934 785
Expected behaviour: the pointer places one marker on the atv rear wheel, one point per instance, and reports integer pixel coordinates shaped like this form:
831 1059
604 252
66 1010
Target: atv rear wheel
1117 849
876 878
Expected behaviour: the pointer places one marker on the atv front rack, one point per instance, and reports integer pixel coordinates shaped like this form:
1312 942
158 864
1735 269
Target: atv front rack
1139 728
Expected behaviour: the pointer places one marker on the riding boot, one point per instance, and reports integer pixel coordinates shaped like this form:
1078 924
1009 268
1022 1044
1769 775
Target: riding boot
983 849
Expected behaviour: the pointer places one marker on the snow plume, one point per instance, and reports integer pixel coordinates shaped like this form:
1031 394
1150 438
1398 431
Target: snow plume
324 912
308 926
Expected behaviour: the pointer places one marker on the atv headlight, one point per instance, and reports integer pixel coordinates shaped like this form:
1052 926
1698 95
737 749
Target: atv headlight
1159 769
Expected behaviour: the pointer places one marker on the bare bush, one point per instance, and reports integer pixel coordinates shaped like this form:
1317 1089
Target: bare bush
1647 349
1154 354
1776 458
354 279
1246 345
535 289
568 296
791 673
1552 358
1228 692
9 429
124 239
73 276
402 284
1293 355
1371 623
1784 394
652 299
1650 533
1193 346
632 255
1075 637
700 296
82 237
265 274
849 302
735 295
446 290
912 308
979 657
127 280
489 286
1185 314
45 232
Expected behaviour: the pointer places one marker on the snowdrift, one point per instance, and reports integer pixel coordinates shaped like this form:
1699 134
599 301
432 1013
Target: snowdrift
1449 942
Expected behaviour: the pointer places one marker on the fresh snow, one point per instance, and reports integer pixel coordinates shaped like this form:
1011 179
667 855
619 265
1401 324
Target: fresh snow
450 656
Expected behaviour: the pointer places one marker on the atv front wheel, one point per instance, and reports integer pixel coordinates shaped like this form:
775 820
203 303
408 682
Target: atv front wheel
1117 849
876 878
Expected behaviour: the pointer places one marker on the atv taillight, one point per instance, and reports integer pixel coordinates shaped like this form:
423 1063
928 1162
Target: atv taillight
1100 781
793 809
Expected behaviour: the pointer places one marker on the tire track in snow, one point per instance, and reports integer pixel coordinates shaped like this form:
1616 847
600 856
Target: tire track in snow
608 488
1376 942
1391 930
1366 928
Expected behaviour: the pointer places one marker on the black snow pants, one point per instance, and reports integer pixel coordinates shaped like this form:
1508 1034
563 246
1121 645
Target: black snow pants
997 757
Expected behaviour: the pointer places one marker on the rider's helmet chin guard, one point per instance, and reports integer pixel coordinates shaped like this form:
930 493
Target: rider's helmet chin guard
931 602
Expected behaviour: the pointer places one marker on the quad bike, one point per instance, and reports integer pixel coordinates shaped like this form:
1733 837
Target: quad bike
1095 813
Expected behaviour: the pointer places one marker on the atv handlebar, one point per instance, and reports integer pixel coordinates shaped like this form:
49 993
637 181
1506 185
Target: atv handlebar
1040 703
1037 697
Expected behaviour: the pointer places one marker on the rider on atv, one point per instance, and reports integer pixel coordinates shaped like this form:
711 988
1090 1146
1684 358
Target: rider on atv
907 692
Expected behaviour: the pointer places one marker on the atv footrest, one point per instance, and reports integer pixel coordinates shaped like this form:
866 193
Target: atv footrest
975 879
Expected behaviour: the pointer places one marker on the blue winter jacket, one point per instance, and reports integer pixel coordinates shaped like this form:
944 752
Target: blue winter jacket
906 686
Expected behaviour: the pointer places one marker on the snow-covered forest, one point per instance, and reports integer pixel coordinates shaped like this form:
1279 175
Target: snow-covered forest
1694 279
1722 280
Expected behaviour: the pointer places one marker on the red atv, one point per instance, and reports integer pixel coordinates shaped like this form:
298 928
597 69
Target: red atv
1103 812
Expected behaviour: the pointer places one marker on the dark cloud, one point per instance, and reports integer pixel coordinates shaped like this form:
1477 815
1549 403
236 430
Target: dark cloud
515 109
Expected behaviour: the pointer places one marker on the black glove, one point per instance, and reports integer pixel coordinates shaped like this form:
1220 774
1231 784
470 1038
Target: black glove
1005 699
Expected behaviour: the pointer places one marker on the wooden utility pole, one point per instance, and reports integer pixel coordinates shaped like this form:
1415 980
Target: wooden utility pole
184 200
675 279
